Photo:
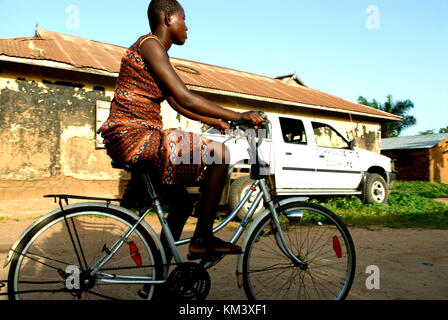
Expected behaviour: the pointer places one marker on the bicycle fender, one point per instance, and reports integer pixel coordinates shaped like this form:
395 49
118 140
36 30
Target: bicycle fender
261 216
148 228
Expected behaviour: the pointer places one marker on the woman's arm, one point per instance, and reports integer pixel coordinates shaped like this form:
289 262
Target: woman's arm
214 122
157 58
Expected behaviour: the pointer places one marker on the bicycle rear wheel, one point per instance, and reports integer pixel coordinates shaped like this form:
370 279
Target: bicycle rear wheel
316 236
53 261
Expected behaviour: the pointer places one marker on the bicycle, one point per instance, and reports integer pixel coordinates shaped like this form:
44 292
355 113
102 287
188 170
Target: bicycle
293 250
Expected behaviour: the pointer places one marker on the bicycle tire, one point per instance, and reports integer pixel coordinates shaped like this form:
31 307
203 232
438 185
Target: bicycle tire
319 238
39 265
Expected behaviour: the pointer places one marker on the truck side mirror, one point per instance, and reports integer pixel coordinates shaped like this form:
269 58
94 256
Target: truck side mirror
353 144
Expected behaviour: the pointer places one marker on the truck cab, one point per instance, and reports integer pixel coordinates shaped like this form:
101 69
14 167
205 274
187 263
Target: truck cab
309 157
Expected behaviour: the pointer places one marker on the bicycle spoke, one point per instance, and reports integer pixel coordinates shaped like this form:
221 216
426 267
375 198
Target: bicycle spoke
79 244
30 255
73 243
324 276
267 283
321 284
273 268
287 283
316 284
40 291
77 236
41 282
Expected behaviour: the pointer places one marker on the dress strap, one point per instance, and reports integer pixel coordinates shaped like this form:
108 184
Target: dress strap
151 36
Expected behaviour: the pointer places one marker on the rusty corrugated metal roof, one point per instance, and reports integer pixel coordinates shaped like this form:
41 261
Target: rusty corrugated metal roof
58 47
88 54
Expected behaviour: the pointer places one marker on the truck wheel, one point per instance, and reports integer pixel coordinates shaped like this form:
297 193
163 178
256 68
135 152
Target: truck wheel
237 191
376 190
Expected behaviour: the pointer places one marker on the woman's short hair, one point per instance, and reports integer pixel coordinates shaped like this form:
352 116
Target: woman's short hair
160 7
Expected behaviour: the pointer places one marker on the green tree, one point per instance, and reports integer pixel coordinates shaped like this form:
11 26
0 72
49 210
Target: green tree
399 108
443 130
427 132
433 131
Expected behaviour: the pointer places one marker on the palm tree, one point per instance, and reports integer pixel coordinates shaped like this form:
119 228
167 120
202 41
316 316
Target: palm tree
399 108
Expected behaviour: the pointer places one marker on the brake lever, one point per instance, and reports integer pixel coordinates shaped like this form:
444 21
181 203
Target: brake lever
233 136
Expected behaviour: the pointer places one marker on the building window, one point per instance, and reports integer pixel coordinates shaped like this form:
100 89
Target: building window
102 113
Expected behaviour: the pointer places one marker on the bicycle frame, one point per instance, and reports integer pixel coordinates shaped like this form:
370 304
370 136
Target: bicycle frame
174 244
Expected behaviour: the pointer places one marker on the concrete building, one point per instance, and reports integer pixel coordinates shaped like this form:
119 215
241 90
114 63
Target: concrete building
419 158
55 90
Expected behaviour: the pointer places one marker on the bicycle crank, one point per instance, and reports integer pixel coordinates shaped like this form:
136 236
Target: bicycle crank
189 282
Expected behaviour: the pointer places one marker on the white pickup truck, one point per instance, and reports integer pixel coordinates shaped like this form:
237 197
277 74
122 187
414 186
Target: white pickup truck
308 157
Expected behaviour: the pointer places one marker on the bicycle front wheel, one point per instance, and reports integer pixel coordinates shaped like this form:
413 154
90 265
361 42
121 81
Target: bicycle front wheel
53 262
313 234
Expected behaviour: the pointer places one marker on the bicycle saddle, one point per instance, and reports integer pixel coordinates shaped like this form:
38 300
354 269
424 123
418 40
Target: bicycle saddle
123 165
130 167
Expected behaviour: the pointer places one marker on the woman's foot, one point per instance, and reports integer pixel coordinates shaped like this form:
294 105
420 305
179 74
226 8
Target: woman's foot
200 248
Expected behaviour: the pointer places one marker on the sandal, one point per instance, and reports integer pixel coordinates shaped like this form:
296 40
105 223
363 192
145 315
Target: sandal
199 248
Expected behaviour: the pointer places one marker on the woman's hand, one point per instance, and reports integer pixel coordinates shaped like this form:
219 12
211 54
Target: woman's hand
222 126
253 116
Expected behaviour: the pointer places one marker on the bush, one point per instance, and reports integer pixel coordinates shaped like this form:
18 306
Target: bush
424 189
409 205
413 210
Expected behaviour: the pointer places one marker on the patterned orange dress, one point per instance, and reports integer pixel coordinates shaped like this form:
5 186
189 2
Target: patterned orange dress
134 131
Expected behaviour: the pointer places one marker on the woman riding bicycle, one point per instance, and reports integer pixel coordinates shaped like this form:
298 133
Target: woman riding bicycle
134 131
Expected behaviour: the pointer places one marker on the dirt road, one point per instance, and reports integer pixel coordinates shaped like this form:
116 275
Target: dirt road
413 263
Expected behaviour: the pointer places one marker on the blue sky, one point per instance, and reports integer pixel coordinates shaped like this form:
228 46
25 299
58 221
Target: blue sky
340 47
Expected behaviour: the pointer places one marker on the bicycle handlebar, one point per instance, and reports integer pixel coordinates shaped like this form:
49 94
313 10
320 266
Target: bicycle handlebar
247 123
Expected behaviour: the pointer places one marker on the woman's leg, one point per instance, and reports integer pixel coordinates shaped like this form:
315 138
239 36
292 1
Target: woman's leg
180 207
135 195
211 192
175 197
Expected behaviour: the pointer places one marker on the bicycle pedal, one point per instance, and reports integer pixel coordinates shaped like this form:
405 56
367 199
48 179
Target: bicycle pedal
143 294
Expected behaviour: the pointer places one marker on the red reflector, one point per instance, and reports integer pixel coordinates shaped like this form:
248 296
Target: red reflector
135 254
337 247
